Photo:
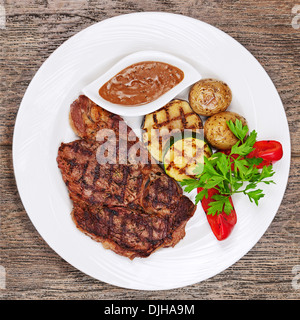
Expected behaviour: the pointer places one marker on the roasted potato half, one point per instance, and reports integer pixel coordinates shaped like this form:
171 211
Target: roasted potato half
216 130
209 96
177 115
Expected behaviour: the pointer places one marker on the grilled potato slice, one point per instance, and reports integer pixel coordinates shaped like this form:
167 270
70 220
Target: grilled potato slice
183 155
175 116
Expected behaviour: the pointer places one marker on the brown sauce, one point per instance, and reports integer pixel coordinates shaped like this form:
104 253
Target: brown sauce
141 83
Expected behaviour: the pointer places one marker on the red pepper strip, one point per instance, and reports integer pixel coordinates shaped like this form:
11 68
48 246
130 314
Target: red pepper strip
221 224
269 150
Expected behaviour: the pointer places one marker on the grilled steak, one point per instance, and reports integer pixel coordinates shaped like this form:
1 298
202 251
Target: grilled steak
132 207
128 232
87 119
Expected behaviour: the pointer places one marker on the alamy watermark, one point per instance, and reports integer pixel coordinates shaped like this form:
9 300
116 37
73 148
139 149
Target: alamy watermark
296 279
2 278
119 146
296 19
2 17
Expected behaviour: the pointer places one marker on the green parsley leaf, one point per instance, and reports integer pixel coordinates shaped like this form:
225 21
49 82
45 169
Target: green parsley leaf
221 203
201 195
190 184
255 195
238 129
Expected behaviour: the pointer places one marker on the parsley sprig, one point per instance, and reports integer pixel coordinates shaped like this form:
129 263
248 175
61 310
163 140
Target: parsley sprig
231 173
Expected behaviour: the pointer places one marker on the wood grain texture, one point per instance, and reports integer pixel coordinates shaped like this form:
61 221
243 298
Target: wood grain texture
34 29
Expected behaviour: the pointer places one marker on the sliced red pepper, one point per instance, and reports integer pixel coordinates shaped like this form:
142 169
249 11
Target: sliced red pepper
269 150
221 224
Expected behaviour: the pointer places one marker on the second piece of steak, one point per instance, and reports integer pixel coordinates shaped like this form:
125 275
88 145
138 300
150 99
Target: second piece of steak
131 232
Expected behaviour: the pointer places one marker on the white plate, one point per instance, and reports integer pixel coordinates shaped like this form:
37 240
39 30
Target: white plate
191 75
42 124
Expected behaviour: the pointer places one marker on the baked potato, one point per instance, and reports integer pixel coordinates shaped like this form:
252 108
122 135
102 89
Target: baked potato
209 96
217 132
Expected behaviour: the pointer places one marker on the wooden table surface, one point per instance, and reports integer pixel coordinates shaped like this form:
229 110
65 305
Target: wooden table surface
29 268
